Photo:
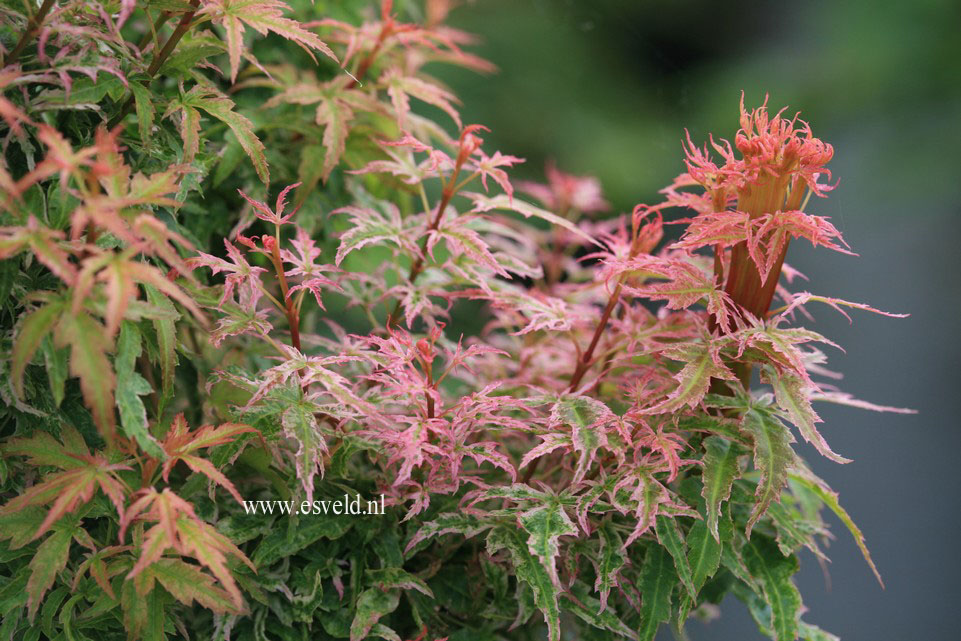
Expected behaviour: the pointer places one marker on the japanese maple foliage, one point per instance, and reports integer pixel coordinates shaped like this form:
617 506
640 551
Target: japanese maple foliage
606 449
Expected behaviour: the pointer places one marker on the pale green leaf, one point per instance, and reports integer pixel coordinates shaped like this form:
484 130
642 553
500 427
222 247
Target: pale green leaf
187 583
143 101
58 365
165 328
130 387
33 329
89 363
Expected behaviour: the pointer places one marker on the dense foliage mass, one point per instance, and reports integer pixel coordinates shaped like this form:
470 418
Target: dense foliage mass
594 457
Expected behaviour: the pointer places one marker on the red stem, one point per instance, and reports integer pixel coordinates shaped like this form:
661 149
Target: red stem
293 316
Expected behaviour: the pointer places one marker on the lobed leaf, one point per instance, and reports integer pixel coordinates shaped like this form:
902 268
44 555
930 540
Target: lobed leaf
773 457
721 469
656 582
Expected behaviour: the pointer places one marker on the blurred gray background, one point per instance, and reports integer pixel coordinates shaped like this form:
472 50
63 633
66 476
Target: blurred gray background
608 86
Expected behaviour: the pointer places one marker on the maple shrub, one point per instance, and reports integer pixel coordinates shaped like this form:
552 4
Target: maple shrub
607 449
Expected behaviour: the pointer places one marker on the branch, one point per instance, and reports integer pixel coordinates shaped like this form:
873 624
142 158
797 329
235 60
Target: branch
33 25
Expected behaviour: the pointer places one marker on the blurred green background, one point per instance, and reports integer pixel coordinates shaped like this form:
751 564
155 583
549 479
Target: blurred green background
607 87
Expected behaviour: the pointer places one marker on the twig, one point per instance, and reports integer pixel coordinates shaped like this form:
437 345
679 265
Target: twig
33 25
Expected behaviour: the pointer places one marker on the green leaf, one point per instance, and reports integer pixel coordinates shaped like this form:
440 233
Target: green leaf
20 526
34 328
130 387
390 578
819 488
704 551
588 609
309 172
222 108
166 340
669 536
813 633
720 470
143 101
88 362
773 457
773 572
791 393
284 542
656 583
372 604
51 558
57 368
335 115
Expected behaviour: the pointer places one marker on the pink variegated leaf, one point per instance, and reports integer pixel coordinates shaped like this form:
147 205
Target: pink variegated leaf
242 277
725 228
300 424
401 86
769 234
528 309
263 16
842 398
371 226
549 442
275 215
418 300
648 497
793 398
462 240
490 166
702 362
238 323
483 203
779 344
565 191
486 452
803 298
684 283
587 419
